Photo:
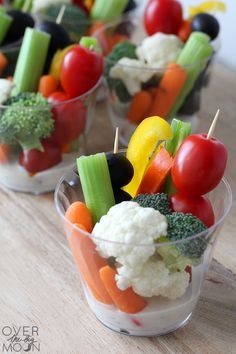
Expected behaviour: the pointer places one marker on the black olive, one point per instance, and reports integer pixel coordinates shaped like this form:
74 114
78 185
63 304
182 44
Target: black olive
59 36
21 20
120 168
130 6
206 23
121 196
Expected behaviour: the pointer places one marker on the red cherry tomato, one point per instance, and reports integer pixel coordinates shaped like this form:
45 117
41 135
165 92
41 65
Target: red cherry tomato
199 206
80 71
70 118
163 16
80 3
35 161
199 165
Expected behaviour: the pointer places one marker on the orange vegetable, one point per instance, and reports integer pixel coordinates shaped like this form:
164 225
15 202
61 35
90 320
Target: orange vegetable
78 213
156 173
4 151
89 263
127 301
97 25
3 62
185 30
168 90
139 107
47 85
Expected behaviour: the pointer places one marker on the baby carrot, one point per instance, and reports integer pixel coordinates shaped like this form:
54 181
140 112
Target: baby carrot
156 173
168 90
80 214
4 151
89 262
185 30
139 106
3 62
47 85
127 301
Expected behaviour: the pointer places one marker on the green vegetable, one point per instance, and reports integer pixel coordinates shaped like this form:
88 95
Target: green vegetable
180 132
74 19
121 50
181 226
31 60
193 57
96 184
172 256
159 201
26 121
5 22
108 10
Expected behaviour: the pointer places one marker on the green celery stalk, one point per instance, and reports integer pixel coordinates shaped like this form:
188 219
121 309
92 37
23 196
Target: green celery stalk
107 10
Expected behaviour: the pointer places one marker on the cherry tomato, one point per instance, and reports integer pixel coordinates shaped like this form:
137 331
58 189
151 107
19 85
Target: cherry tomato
198 206
35 161
81 4
199 165
80 71
70 118
163 16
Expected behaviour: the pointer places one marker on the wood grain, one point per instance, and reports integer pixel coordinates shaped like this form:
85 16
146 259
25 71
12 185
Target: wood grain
39 284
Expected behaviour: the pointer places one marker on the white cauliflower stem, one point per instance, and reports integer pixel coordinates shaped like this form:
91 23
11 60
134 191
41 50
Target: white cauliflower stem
130 226
152 280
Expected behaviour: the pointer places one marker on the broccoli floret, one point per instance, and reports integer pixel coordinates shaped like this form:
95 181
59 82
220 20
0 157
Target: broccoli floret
181 226
26 121
159 201
172 256
121 50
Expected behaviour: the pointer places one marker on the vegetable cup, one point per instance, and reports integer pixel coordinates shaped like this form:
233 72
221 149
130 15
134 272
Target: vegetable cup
157 75
47 146
160 283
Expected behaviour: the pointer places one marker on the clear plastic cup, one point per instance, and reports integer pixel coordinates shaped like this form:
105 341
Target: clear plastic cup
161 314
119 99
72 122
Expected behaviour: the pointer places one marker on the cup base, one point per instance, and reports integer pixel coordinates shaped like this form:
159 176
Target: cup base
142 332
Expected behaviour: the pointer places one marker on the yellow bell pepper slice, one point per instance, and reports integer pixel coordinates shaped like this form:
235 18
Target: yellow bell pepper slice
207 6
142 145
55 68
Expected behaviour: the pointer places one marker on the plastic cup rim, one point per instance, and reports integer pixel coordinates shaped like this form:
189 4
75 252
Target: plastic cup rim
156 245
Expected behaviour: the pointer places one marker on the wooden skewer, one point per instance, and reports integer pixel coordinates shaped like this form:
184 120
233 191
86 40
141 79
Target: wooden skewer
213 125
116 142
60 15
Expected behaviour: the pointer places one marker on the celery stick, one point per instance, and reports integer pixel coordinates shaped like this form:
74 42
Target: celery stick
5 22
31 60
180 132
193 58
107 10
96 184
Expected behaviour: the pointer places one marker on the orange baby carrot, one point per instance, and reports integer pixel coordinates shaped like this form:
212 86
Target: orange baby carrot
127 301
79 213
89 263
185 30
47 85
3 62
139 106
4 152
168 90
156 173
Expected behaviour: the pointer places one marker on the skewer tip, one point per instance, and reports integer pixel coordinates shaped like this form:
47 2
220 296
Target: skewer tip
116 141
213 125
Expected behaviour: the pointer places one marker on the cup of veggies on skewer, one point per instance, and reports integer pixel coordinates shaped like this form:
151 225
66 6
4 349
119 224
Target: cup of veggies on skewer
160 66
142 224
46 106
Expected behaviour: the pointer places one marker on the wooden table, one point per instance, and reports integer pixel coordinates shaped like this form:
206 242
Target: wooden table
40 286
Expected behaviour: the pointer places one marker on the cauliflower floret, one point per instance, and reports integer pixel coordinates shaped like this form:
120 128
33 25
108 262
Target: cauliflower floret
128 70
153 279
127 225
5 89
159 50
